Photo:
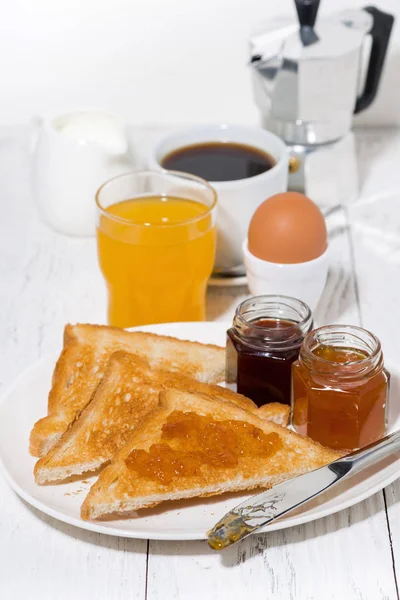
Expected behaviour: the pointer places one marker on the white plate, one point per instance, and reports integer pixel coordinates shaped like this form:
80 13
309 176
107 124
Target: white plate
26 401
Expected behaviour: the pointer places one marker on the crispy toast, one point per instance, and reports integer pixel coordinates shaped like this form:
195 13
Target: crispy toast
83 360
128 391
275 412
123 488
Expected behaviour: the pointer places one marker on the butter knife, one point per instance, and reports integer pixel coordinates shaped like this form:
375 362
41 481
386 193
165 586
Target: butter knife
284 497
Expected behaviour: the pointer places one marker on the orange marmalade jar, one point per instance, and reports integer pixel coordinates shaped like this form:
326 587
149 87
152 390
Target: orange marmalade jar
340 388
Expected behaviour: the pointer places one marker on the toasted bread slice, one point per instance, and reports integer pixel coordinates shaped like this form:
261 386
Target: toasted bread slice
128 391
120 489
83 360
275 412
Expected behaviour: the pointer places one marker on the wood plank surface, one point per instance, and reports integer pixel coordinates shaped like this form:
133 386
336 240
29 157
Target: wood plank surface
375 223
328 559
47 280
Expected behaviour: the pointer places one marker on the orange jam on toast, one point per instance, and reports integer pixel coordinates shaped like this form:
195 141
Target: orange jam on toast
190 442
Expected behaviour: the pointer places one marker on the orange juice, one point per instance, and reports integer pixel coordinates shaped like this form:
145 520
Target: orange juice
156 254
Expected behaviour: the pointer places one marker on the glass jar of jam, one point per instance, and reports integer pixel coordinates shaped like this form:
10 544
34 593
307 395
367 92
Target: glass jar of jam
263 342
340 388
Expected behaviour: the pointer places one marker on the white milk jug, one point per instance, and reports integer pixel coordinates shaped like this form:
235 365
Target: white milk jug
74 155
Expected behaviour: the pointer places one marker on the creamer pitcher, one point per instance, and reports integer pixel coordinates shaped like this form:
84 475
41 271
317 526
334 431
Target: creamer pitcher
74 154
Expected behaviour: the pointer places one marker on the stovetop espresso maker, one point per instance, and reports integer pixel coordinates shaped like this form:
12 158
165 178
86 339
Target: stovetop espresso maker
309 79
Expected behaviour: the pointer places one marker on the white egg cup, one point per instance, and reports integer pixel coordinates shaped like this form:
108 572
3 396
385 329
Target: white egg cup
304 281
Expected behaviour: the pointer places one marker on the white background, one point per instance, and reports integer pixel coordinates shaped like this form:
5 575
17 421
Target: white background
150 61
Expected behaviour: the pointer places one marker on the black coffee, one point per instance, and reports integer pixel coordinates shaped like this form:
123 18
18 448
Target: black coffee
219 161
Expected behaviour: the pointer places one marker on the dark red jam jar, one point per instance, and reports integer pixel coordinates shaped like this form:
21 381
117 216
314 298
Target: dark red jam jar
263 342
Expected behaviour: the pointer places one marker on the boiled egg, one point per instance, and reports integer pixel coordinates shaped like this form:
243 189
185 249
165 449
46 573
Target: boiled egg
287 228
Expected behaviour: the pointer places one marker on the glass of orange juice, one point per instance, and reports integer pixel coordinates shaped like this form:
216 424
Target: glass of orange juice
156 243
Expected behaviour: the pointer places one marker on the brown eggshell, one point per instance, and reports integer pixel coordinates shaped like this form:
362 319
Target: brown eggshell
287 228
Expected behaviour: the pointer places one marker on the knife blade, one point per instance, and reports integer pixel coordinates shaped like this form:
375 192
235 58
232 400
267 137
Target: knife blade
262 509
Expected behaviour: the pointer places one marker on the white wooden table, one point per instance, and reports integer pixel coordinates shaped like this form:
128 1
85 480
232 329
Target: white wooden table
47 280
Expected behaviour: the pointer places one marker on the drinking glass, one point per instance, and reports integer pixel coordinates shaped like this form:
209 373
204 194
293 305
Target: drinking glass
156 246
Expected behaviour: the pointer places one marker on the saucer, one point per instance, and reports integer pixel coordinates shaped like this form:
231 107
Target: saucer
218 281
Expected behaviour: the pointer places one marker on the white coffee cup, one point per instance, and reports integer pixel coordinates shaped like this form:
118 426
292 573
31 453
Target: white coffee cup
304 281
237 200
73 155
